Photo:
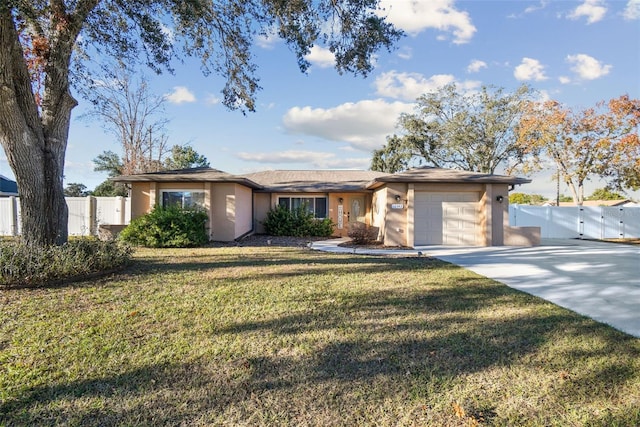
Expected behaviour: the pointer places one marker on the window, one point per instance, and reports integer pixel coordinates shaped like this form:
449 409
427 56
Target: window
315 205
183 198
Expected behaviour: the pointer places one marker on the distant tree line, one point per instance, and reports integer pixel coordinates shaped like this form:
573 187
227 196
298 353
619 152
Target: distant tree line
537 199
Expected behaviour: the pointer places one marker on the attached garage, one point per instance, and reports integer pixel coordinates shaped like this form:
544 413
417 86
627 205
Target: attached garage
446 219
432 206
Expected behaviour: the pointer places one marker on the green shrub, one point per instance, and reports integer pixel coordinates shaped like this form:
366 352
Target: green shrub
170 227
22 265
297 222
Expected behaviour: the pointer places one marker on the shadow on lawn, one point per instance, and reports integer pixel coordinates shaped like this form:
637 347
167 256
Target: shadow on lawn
404 345
257 264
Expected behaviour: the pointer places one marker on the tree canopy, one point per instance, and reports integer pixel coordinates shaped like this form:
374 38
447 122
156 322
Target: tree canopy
76 189
185 157
526 199
605 194
601 141
473 131
180 157
44 46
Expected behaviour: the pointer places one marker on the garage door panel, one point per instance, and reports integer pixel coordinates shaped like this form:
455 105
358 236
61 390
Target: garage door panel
446 218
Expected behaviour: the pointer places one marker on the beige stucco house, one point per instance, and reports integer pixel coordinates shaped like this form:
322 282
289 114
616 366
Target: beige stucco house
421 206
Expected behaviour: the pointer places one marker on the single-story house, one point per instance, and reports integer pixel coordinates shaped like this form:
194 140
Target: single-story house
8 187
421 206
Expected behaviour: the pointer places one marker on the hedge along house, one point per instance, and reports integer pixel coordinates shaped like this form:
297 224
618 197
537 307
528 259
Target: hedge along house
340 195
422 206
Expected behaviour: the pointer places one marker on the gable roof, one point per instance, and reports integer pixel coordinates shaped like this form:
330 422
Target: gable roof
431 174
202 174
290 181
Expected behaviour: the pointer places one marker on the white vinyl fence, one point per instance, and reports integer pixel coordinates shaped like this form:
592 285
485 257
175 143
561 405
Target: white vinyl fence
578 222
85 214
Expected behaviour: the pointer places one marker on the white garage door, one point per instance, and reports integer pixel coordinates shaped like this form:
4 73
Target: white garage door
446 218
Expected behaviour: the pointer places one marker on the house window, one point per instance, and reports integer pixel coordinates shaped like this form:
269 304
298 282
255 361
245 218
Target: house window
315 205
183 198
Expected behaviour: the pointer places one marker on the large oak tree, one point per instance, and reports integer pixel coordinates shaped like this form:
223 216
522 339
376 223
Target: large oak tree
41 39
468 130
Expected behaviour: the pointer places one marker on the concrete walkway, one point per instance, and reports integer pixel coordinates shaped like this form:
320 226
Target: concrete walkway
598 280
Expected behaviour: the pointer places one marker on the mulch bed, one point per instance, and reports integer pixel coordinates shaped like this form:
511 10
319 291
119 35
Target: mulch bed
374 246
266 240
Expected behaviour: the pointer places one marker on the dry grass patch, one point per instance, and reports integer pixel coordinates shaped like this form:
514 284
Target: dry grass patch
285 336
627 241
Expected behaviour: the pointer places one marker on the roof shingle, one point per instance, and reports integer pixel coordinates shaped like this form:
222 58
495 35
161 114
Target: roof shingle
289 181
431 174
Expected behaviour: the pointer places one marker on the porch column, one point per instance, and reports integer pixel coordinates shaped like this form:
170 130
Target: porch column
410 215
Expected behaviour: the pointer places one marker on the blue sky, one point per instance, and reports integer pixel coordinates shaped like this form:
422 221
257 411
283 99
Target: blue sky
576 52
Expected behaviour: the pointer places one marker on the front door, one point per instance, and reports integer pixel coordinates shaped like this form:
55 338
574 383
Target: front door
356 210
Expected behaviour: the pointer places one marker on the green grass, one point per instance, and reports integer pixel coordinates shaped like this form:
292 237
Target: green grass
284 336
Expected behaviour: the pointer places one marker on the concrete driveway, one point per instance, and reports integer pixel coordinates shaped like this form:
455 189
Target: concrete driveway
598 280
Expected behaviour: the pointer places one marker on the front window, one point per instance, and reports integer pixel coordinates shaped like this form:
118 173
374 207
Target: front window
315 205
184 199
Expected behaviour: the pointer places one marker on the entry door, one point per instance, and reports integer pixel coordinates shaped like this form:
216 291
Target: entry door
356 209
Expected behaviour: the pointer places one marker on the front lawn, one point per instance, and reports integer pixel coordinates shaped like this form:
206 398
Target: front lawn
288 336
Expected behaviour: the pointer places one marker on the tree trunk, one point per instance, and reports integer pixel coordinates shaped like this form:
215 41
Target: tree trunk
39 171
34 138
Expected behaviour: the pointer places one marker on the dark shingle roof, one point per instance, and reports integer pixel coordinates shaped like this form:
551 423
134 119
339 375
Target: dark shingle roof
286 181
308 181
190 175
431 174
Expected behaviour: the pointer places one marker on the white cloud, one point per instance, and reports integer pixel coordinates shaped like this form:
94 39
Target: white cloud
540 6
530 69
212 99
321 57
364 124
593 10
316 159
476 65
587 67
564 80
405 52
291 156
530 9
168 32
544 96
269 39
415 16
632 11
409 86
180 95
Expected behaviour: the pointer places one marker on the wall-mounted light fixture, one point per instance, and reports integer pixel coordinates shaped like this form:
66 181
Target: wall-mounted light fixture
499 199
398 197
340 200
